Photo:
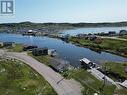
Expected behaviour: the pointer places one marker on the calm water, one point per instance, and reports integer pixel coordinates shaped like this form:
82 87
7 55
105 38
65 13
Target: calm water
93 30
67 51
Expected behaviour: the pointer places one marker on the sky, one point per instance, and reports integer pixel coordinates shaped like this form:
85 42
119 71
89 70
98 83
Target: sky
74 11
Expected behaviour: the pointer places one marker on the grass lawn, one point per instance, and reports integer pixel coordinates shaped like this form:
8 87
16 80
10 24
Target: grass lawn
124 37
90 83
16 78
17 48
45 59
118 68
112 45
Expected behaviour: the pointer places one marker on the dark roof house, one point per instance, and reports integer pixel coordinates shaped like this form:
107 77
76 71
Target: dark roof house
87 63
123 32
112 33
59 65
40 51
8 44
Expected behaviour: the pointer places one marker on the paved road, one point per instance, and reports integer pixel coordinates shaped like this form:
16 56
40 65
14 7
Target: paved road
63 87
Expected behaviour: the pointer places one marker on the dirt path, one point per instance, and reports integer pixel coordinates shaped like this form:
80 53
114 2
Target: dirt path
116 38
64 87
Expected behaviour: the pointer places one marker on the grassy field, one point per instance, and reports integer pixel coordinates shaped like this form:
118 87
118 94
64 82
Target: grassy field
16 48
118 68
90 83
16 78
45 59
124 37
110 45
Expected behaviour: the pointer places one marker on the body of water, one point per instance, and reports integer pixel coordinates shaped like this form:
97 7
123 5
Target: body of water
66 51
74 32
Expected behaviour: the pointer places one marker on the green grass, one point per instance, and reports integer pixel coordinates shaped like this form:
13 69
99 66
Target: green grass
90 83
112 45
16 48
122 91
16 78
118 68
45 59
124 37
86 79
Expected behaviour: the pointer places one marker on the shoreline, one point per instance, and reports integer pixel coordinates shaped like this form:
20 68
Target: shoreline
97 49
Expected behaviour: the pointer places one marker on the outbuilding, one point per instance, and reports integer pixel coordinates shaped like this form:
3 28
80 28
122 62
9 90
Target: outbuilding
87 63
59 65
123 32
40 51
8 44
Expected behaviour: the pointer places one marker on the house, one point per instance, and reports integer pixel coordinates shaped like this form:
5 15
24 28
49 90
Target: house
87 63
40 51
102 34
123 32
29 47
8 44
80 36
30 32
92 37
112 33
52 52
59 65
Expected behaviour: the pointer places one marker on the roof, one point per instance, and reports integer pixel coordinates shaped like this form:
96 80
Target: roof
59 64
85 60
124 83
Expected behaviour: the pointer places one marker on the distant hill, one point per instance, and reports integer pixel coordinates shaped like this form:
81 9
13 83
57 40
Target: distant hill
54 27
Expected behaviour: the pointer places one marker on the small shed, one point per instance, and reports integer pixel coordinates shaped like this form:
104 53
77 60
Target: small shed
87 63
112 33
59 65
40 51
123 32
8 44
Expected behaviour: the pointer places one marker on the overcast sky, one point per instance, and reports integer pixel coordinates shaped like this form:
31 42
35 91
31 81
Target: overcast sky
68 11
